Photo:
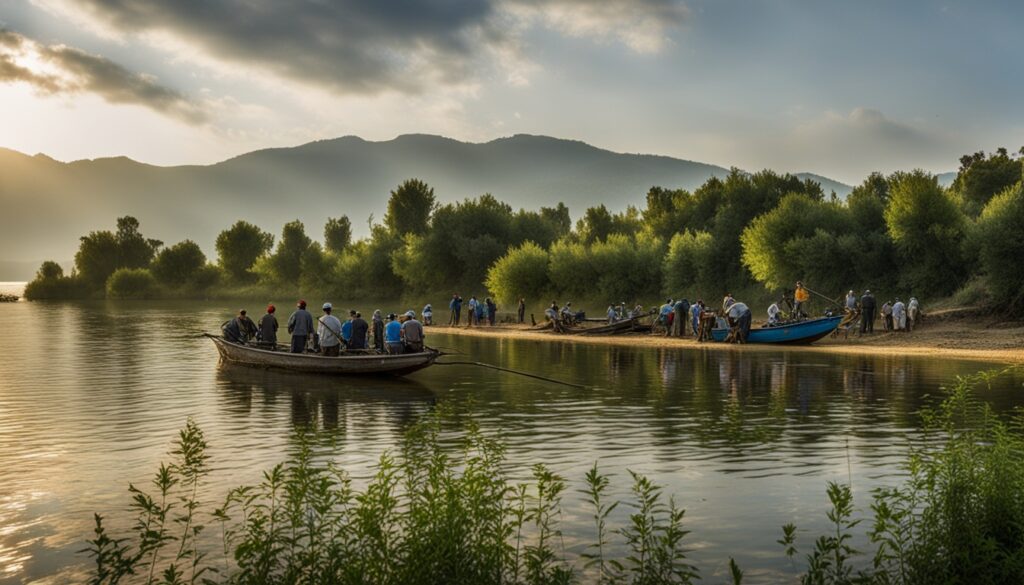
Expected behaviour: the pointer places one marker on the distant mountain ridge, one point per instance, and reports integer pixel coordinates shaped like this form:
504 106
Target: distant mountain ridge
48 204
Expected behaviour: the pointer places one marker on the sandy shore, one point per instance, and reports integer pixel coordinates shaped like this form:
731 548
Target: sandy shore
957 334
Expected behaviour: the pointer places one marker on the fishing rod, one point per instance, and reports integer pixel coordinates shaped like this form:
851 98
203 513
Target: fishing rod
507 370
833 301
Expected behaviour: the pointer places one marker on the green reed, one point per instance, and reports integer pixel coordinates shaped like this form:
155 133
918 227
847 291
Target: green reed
440 508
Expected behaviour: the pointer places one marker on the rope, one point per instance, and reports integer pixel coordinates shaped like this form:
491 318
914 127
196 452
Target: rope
510 371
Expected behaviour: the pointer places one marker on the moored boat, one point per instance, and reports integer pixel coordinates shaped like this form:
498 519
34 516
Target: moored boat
793 333
346 365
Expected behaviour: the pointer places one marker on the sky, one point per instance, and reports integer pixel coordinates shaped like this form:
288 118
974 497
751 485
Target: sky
836 88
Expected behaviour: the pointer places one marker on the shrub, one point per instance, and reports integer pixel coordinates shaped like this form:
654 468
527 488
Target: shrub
51 284
131 283
570 269
522 272
1000 242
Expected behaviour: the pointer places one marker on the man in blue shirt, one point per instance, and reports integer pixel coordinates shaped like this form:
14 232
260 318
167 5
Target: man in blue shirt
346 329
393 335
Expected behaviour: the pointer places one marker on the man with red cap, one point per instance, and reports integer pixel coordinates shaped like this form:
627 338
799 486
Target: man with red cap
268 329
300 325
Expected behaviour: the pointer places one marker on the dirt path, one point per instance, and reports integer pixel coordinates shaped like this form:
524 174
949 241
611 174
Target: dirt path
958 334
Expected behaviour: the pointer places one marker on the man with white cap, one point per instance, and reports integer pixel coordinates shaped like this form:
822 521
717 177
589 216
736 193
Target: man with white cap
412 333
330 333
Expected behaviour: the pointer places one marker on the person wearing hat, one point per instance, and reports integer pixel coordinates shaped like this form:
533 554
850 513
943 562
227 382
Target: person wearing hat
867 307
240 329
393 335
268 329
300 326
412 333
329 332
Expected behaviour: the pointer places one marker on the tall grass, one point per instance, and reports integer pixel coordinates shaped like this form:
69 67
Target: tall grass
438 513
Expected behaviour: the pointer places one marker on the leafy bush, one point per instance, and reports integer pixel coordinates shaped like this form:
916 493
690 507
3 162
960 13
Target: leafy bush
522 272
570 270
432 513
50 283
132 283
1000 241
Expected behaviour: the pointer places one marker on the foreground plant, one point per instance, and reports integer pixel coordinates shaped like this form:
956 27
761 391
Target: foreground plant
441 509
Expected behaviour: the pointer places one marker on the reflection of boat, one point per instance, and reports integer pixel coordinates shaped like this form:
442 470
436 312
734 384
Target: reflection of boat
346 365
802 332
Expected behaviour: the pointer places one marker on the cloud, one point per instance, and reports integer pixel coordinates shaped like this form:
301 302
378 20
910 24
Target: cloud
366 47
59 69
644 26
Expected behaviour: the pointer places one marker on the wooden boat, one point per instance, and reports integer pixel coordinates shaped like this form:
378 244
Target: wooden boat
345 365
793 333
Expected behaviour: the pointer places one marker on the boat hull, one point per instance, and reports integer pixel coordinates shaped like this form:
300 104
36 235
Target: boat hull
352 365
803 332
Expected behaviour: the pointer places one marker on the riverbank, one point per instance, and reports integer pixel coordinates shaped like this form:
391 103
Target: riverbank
954 333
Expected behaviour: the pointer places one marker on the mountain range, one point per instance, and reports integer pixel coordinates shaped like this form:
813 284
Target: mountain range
48 204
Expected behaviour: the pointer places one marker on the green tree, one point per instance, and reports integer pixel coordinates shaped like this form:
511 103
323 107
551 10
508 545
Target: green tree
598 223
101 253
1001 247
927 228
177 265
50 270
239 247
337 234
285 264
134 250
981 178
687 263
559 217
570 270
409 208
522 272
775 245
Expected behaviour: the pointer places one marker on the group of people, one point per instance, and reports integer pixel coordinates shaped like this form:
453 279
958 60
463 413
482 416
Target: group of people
478 312
328 335
896 315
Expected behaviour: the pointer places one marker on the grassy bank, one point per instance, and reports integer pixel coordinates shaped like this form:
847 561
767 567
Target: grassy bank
441 509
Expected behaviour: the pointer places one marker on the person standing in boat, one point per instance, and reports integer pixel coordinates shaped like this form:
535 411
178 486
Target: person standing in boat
360 330
268 328
240 329
378 331
329 330
300 326
346 328
800 297
393 335
412 333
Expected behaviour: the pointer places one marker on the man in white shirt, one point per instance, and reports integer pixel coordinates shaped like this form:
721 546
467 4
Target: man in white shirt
329 330
739 319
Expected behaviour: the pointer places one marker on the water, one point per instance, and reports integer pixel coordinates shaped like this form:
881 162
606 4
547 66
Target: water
92 394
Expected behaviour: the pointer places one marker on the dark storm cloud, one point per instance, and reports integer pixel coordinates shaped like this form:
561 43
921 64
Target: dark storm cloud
75 71
367 46
352 46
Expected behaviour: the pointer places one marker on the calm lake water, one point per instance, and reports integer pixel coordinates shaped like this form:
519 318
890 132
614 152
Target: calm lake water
92 394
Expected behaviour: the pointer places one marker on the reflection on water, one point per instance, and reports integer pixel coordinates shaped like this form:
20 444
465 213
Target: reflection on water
91 395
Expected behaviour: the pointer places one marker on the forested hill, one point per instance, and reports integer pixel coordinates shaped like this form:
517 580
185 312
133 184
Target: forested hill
47 204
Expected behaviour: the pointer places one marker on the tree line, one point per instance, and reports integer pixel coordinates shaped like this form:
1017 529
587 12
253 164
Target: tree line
902 232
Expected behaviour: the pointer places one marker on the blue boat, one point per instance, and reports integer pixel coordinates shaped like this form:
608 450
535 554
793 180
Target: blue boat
802 332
